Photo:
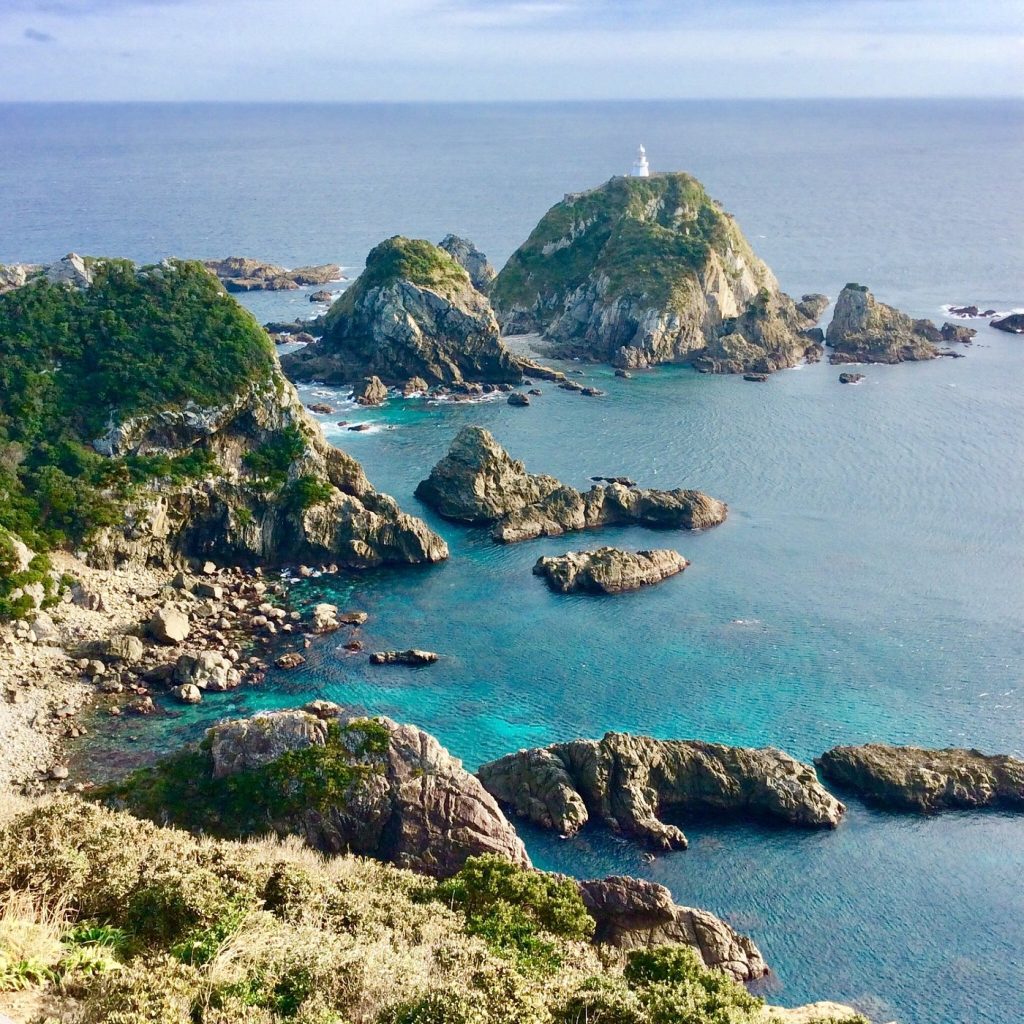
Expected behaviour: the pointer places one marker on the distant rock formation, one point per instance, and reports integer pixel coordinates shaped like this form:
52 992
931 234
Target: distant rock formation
412 313
926 781
958 333
633 913
1012 324
866 331
642 271
471 259
626 782
239 274
478 483
608 570
343 783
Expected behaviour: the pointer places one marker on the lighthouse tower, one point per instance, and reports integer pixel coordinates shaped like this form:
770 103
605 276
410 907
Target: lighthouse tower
641 168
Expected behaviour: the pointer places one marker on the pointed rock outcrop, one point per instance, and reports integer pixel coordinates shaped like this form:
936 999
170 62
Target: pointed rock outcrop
864 330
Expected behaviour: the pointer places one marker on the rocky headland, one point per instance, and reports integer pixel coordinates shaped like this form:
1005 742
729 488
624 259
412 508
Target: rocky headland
413 312
864 330
240 274
926 781
478 483
642 271
628 782
608 570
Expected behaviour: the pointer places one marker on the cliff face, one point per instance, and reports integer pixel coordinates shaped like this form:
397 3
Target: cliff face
471 259
864 330
150 421
649 270
413 312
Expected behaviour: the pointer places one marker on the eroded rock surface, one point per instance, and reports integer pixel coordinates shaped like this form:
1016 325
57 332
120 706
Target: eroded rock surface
926 781
477 482
626 782
608 570
864 330
471 259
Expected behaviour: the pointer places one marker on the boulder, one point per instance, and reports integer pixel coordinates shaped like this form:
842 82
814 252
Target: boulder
756 378
850 378
864 330
208 670
128 649
374 788
471 259
290 660
518 398
812 306
410 657
321 408
626 782
325 618
414 386
608 570
477 482
1012 324
957 333
42 629
321 296
372 392
413 312
632 913
188 693
168 625
926 781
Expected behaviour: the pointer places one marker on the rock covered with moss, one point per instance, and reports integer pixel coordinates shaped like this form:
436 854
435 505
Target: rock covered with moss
926 781
626 782
477 482
864 330
642 271
608 570
346 784
413 312
145 418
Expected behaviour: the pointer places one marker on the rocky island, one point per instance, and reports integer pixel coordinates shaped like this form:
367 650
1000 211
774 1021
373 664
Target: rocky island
627 782
478 483
608 570
413 312
926 781
642 271
864 330
240 274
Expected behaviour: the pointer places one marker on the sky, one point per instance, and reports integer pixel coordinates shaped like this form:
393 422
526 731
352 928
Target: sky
369 50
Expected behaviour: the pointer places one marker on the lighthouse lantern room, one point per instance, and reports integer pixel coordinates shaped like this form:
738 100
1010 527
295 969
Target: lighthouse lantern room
641 168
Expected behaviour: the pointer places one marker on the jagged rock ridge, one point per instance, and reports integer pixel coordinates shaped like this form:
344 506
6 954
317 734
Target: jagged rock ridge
643 271
626 782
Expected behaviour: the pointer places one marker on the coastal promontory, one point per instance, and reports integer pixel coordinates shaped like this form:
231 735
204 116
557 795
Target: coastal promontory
926 781
642 271
478 483
413 312
627 782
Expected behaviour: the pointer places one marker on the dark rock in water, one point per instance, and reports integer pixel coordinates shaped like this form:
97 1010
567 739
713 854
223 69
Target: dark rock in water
290 660
591 392
623 373
633 913
926 781
1012 324
950 354
850 378
536 391
478 483
291 327
321 296
412 313
571 385
815 335
414 386
471 259
810 307
756 378
370 787
360 427
866 331
624 480
958 333
410 657
322 408
964 311
373 392
608 570
626 782
517 398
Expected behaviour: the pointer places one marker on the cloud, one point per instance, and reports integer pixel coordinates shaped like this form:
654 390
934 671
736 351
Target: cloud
83 8
39 37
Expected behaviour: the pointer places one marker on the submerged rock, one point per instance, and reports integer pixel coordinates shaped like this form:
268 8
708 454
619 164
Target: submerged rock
864 330
343 783
477 482
471 259
413 312
641 271
608 570
633 913
626 782
926 781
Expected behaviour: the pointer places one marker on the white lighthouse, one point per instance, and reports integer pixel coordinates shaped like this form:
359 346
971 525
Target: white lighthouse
641 168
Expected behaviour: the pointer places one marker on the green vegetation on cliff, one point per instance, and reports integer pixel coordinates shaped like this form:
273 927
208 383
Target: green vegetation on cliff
647 235
73 361
125 922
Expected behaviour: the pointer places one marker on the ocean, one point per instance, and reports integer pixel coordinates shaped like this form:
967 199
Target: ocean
868 585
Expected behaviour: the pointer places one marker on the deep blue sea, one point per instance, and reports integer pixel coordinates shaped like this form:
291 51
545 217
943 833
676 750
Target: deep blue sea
869 583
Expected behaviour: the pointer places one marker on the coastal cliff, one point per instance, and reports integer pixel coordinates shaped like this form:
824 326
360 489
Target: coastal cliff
144 418
642 271
413 312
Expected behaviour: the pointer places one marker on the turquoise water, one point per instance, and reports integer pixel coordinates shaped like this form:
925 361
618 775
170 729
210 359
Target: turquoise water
869 583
